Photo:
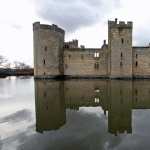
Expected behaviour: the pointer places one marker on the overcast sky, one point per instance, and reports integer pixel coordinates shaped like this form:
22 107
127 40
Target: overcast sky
85 20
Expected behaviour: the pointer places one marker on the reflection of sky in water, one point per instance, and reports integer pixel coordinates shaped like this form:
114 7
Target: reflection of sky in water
16 110
85 129
16 95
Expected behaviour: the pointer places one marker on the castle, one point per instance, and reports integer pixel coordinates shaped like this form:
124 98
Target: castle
53 57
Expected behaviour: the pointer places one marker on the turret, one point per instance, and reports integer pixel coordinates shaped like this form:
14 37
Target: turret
48 50
120 49
71 44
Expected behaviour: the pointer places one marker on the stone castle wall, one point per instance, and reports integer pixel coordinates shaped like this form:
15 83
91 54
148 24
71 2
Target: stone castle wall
53 57
141 62
82 62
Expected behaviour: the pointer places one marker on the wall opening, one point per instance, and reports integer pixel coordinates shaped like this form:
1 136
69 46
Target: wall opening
121 55
136 92
136 55
97 90
96 66
66 46
43 61
121 64
96 55
136 63
122 40
45 48
96 100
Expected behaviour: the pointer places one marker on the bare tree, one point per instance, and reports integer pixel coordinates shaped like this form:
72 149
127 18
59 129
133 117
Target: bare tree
21 65
3 61
8 65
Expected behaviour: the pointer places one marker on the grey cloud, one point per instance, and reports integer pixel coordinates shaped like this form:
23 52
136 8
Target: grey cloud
78 134
75 134
140 134
17 116
16 26
72 15
142 35
20 136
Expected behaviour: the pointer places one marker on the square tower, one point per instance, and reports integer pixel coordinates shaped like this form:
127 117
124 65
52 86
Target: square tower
120 49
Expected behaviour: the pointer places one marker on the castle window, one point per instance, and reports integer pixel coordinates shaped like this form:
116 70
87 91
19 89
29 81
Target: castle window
45 48
121 55
97 90
96 55
121 64
136 55
136 63
44 61
69 56
96 99
66 46
136 92
96 65
122 40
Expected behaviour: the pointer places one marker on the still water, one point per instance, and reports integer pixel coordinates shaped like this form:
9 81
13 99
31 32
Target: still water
74 114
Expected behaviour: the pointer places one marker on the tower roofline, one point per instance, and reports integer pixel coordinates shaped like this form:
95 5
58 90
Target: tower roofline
120 24
52 27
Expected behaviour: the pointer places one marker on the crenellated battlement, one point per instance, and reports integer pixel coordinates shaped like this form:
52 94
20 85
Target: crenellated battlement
52 27
120 24
71 44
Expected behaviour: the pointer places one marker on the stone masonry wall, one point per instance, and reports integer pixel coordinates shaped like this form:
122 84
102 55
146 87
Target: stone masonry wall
120 47
54 57
48 50
141 61
81 62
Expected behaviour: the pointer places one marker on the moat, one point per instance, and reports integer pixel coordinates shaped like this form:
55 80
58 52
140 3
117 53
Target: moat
74 114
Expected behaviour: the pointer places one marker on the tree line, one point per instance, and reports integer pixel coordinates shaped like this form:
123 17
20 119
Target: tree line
5 64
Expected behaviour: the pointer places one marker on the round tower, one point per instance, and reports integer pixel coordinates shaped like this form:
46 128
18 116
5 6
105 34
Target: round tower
48 50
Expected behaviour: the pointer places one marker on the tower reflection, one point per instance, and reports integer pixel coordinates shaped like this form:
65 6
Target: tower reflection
50 105
118 98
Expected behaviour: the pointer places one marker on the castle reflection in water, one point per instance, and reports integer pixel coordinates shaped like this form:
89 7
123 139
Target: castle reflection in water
117 97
